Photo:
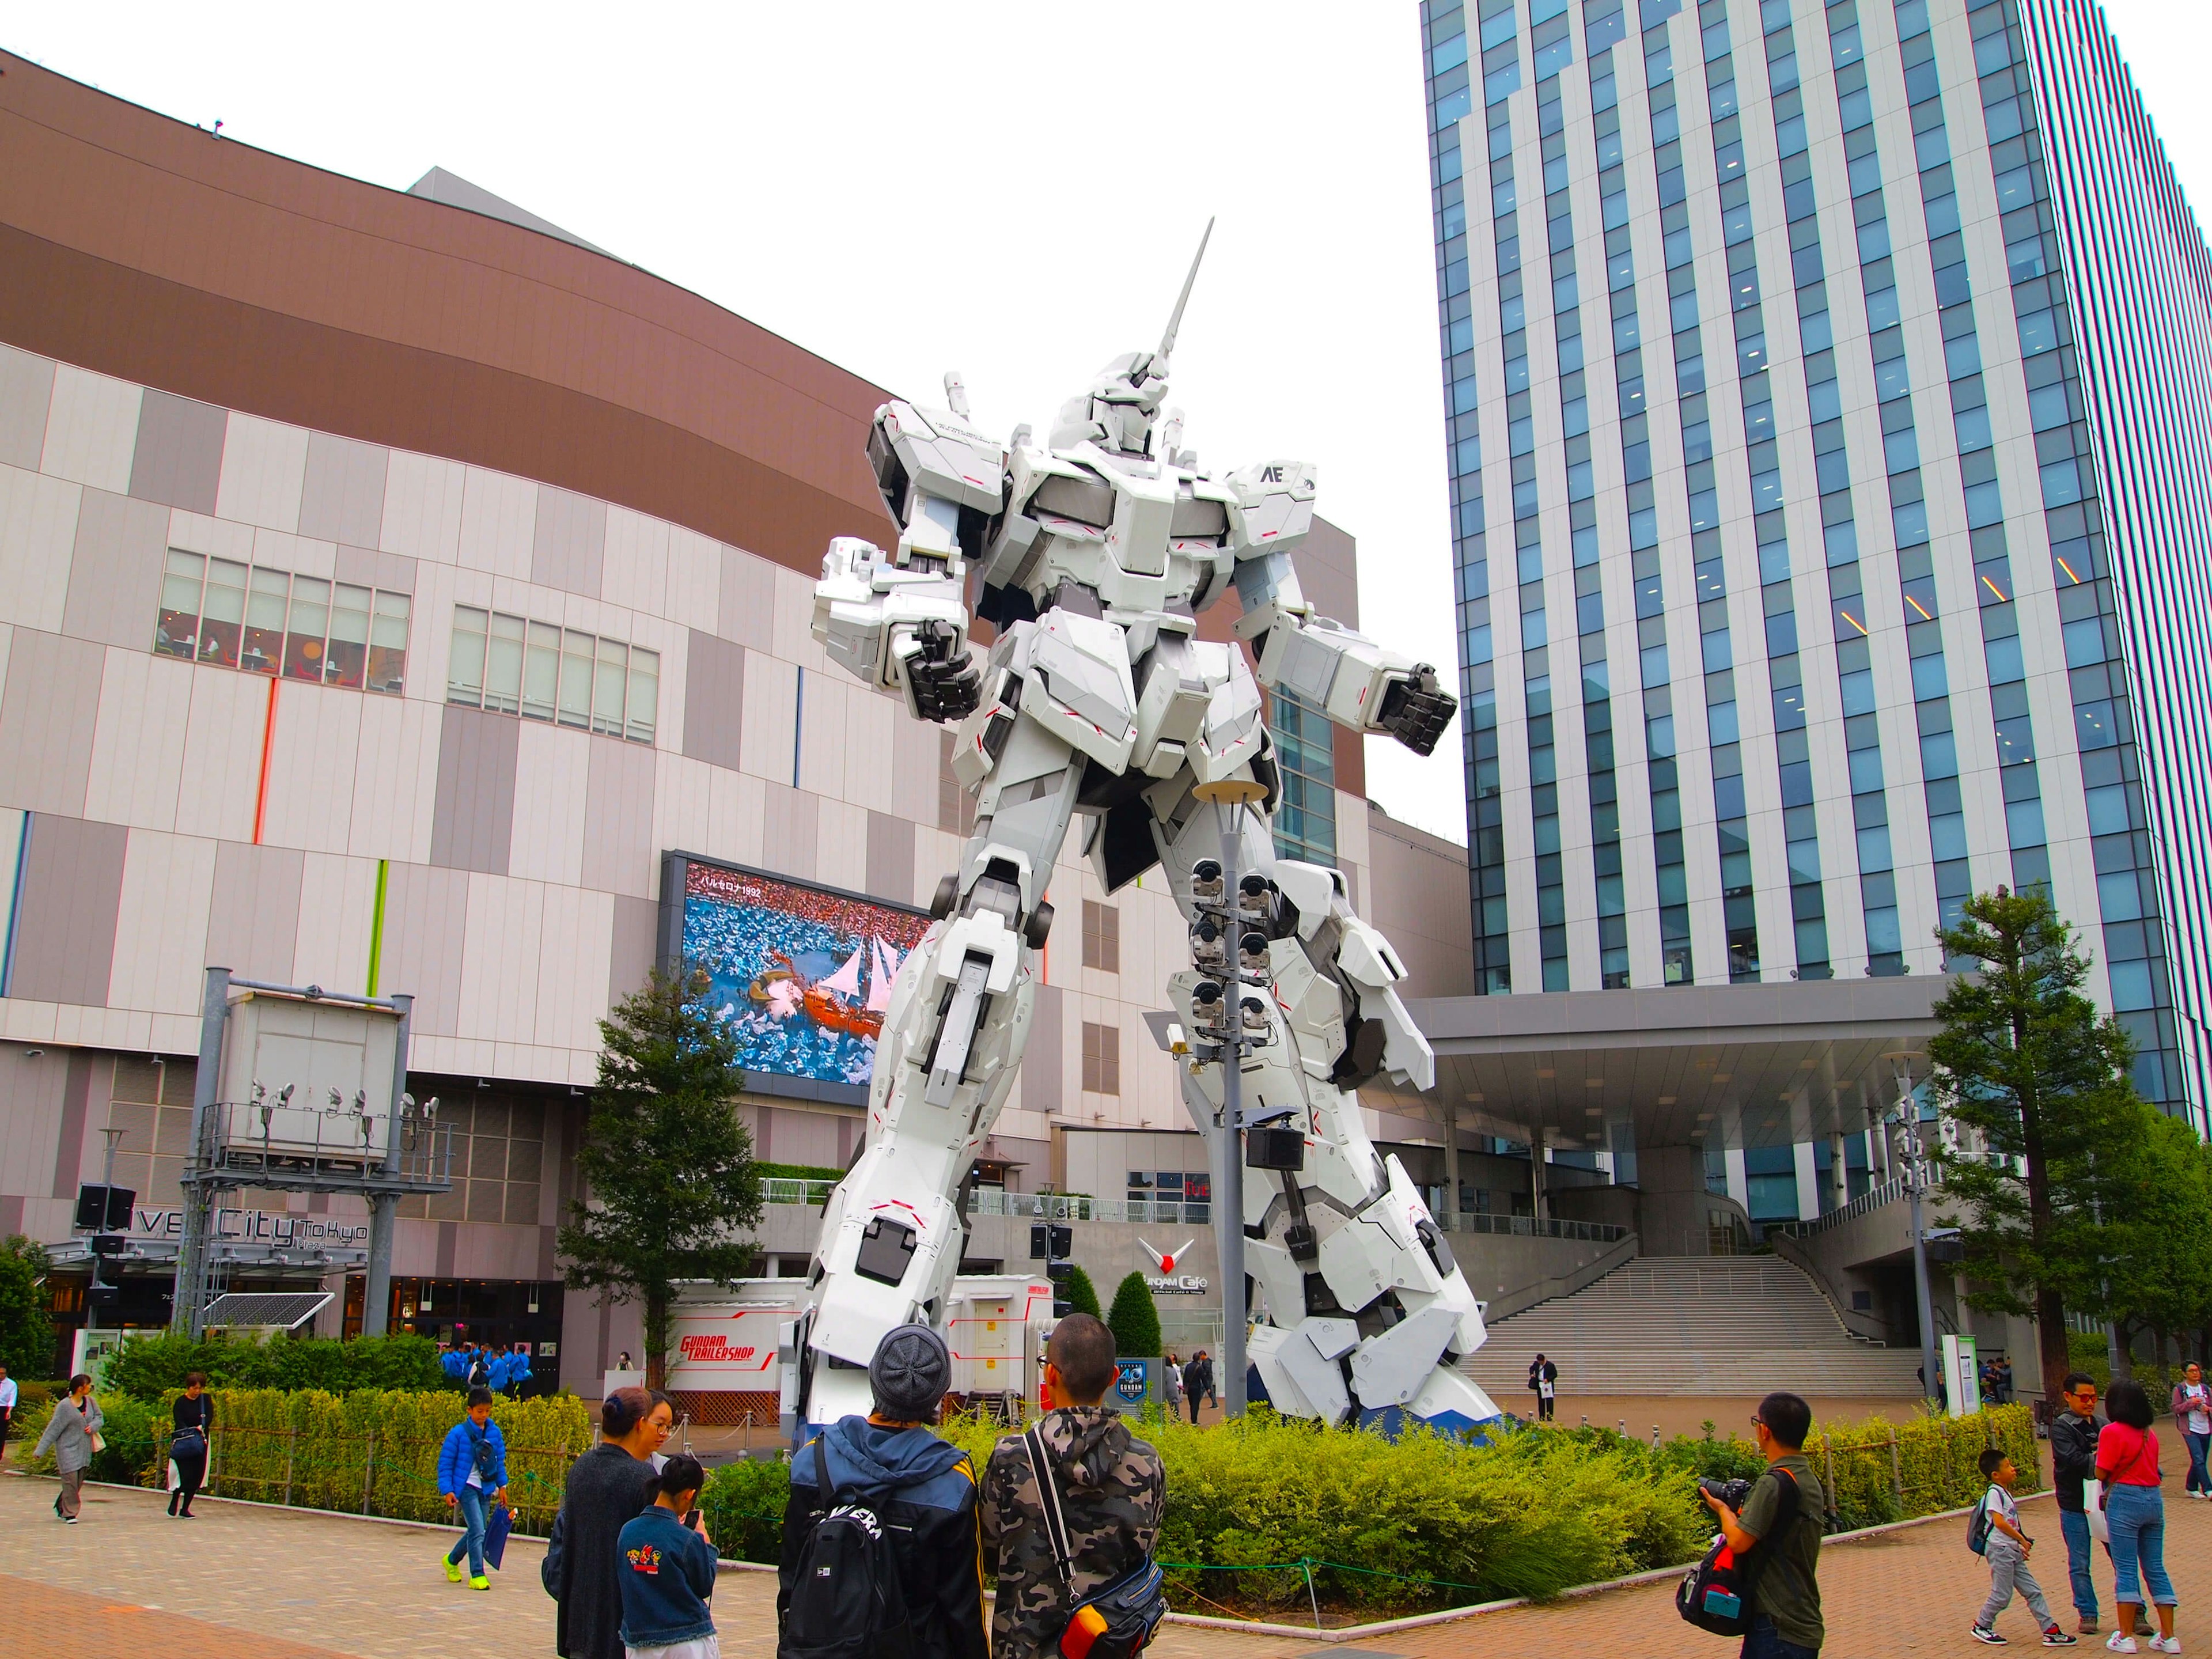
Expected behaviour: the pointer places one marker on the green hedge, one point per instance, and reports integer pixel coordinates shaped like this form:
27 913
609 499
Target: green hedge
1428 1521
370 1452
148 1366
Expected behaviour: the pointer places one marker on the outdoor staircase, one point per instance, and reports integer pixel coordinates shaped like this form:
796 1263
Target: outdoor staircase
1734 1327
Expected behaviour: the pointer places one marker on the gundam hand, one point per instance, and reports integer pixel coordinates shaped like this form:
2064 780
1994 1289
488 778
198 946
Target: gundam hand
1416 709
943 685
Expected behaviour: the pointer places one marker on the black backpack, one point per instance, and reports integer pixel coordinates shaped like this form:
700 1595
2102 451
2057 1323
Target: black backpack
1979 1529
845 1600
1717 1593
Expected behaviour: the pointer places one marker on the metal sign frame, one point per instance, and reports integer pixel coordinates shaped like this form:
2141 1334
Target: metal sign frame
211 1167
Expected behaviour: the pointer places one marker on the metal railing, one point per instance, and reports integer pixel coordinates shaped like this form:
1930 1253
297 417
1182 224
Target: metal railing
1526 1226
1198 1213
272 1143
1865 1204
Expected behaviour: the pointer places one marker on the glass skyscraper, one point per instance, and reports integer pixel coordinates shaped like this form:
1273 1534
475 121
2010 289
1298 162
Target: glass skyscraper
1830 406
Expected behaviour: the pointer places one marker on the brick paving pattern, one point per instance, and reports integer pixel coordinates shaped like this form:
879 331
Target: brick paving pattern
313 1587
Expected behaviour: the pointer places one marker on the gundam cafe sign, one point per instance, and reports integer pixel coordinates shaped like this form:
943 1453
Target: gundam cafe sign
1167 1281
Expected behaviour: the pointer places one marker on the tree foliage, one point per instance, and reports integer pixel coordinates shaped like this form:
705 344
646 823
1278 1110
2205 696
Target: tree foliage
27 1335
1082 1293
2025 1062
1134 1320
2154 1200
670 1182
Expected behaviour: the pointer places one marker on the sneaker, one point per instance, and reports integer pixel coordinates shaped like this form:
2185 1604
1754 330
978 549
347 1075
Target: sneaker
1984 1634
2166 1645
2055 1638
2120 1642
452 1572
71 1519
479 1582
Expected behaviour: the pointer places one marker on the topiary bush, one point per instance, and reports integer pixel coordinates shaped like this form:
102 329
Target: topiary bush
1082 1292
1134 1320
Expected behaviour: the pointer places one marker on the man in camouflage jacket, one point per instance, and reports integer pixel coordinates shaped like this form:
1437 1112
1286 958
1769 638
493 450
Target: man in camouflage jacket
1111 1491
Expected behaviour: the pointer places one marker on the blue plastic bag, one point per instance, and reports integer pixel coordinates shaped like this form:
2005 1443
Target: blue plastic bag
497 1525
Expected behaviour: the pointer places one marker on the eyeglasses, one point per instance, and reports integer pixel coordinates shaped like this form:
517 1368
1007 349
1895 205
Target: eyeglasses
1757 1421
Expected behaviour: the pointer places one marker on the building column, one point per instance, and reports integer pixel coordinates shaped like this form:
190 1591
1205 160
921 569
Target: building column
1808 1172
1451 1163
1839 1175
1877 1133
1537 1171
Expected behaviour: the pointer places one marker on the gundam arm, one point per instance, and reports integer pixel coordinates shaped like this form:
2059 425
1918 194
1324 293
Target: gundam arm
899 619
1353 680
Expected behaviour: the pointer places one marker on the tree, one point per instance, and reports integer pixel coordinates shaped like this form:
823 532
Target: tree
2024 1061
27 1335
667 1163
1134 1320
2155 1197
1081 1292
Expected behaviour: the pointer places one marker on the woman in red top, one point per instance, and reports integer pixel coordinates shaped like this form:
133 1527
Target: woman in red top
2127 1462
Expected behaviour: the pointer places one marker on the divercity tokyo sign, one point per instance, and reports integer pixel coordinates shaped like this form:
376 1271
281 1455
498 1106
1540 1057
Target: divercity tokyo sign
1167 1281
276 1227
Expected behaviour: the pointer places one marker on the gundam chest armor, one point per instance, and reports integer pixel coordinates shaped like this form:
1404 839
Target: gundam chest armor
1093 554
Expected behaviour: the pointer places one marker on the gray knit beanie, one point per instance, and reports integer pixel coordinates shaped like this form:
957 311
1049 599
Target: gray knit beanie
911 1373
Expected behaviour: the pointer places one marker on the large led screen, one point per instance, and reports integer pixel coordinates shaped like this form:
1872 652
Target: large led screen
802 974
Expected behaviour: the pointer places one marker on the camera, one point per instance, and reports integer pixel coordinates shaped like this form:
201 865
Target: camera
1733 1493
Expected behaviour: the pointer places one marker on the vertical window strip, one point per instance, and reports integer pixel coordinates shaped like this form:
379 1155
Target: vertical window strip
1677 960
1505 189
1445 40
1740 918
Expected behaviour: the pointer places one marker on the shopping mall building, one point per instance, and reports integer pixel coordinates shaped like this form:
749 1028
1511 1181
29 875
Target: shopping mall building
389 582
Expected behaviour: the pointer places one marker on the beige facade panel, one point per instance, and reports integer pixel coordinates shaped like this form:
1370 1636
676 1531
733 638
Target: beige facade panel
115 570
72 886
178 459
49 711
341 494
26 386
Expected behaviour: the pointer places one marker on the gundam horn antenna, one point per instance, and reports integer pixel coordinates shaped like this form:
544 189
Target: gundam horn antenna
1175 322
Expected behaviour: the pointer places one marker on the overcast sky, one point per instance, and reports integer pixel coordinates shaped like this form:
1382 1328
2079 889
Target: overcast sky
1015 192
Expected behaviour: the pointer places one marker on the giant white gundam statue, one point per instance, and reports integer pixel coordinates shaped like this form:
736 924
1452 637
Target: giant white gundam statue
1095 552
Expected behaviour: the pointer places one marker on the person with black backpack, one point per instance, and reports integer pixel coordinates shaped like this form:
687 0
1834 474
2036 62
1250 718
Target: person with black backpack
1762 1577
881 1544
1072 1507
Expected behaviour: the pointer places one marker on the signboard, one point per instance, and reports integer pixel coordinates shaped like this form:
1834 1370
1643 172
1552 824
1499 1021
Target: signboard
1962 1376
801 974
1132 1380
729 1349
275 1227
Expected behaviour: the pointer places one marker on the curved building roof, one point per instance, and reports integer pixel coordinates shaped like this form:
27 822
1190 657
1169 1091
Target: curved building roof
144 248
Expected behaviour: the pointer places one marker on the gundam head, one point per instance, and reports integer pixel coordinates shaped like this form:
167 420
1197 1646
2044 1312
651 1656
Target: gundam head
1117 412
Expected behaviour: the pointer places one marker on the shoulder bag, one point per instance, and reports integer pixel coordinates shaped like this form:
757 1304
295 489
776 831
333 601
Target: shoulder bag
1120 1618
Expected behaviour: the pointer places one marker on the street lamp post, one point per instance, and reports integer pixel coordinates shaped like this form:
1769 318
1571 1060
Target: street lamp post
1911 1148
1228 797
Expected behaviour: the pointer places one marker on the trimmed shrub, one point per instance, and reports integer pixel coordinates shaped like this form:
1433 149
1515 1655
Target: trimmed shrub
27 1335
370 1452
150 1366
1082 1293
1134 1320
744 1504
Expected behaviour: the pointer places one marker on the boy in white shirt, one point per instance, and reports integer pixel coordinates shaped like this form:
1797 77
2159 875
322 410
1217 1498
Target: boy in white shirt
2008 1548
8 1395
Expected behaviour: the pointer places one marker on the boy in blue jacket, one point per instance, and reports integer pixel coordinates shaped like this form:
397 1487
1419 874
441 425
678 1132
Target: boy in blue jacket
498 1368
667 1570
471 1473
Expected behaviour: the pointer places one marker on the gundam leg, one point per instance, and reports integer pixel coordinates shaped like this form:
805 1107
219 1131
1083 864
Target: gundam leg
1367 1314
952 1037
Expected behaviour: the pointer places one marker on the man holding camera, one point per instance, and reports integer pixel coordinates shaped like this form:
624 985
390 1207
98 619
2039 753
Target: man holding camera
1781 1517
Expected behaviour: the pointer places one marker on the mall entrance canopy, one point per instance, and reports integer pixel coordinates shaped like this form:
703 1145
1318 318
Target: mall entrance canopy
1731 1066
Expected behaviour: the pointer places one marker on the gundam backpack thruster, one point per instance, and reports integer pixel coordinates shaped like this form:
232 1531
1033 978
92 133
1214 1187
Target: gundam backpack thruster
1094 552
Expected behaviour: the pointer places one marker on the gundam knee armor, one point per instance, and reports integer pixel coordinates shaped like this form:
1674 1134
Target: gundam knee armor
1364 1313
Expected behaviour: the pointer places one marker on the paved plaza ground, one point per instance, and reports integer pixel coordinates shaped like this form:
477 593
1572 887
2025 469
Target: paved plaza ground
304 1586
